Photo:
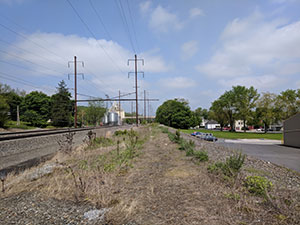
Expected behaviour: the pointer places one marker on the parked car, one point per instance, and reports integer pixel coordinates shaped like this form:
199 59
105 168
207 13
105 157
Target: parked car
210 137
199 135
195 133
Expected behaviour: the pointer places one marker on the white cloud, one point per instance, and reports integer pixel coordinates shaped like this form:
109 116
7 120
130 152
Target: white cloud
163 21
177 82
282 1
263 83
145 6
194 12
253 46
189 49
100 71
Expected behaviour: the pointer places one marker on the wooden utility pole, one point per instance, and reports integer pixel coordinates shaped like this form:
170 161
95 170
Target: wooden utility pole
18 115
136 86
75 89
148 108
75 86
145 116
120 107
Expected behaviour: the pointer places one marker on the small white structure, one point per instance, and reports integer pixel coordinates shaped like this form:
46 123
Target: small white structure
203 122
211 124
239 124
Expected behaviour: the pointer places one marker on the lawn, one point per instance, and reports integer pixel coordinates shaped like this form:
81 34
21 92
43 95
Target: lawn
23 125
238 135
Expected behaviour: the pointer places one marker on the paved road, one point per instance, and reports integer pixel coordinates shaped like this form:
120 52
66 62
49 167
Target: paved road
275 153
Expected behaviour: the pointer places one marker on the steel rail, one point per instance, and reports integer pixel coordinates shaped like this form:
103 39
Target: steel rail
37 133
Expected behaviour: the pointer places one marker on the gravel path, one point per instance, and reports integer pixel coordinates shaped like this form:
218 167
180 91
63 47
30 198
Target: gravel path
29 208
163 186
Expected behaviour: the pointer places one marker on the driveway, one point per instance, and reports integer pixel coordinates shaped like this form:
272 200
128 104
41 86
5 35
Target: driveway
267 150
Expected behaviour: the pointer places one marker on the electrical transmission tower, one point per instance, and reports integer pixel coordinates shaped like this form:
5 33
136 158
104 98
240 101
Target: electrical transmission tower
136 86
75 85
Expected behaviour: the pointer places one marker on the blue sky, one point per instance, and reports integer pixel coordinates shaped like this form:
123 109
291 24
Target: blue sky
192 49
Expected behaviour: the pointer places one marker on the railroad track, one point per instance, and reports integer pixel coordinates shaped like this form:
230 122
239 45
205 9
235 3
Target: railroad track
35 133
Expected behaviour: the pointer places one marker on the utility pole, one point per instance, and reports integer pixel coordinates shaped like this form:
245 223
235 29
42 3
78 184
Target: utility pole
120 108
75 85
145 116
136 86
18 116
148 108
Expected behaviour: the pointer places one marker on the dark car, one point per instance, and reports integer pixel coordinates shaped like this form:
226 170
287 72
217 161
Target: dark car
210 137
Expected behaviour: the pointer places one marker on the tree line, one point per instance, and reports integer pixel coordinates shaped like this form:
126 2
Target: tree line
239 103
40 110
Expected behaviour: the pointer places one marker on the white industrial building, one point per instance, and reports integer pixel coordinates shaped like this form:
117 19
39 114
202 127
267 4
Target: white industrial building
117 109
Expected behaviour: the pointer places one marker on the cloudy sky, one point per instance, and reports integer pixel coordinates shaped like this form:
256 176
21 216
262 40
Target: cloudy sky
192 49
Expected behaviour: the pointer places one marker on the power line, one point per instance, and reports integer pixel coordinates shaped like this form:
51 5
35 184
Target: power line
25 50
133 27
100 20
26 60
124 21
23 67
24 37
21 81
90 31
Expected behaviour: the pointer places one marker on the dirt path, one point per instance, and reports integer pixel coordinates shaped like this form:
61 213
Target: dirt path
161 186
166 187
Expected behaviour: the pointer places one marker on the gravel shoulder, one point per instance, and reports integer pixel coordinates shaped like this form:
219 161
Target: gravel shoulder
161 186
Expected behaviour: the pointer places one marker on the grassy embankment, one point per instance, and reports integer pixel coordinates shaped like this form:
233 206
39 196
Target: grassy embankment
237 135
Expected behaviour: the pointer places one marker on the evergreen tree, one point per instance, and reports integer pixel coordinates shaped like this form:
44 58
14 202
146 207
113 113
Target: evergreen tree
61 111
35 109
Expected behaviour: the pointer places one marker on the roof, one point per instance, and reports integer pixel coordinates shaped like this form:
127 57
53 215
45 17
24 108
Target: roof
212 122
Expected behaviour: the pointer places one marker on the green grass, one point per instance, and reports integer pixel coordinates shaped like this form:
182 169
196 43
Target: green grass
23 125
237 135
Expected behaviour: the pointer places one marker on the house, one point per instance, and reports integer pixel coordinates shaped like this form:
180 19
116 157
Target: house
211 124
239 124
291 131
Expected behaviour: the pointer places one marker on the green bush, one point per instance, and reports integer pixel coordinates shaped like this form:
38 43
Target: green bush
177 136
100 142
216 167
201 156
186 145
230 167
171 137
120 132
236 161
258 185
189 152
164 130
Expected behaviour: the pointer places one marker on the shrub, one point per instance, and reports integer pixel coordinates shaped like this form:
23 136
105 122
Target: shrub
164 130
120 132
201 156
177 136
171 136
189 152
186 145
216 167
236 161
230 167
258 185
